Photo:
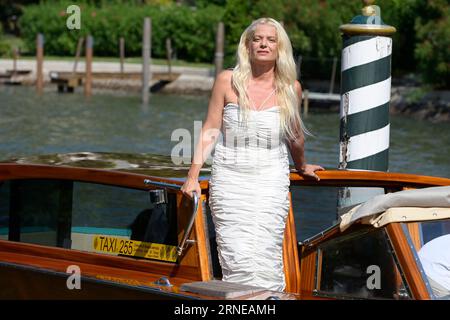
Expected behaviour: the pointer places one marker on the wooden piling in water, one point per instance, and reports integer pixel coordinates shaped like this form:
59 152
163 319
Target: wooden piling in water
15 56
169 56
40 63
299 67
220 39
333 75
146 49
88 76
305 103
122 53
77 54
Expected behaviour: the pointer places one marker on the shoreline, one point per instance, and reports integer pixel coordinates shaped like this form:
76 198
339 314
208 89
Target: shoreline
413 101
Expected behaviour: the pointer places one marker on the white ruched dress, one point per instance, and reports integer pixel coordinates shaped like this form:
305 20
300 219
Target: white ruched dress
249 200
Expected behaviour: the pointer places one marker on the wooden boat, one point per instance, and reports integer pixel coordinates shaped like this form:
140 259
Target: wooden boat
129 233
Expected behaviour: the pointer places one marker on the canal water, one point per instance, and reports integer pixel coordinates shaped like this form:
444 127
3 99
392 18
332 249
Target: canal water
118 122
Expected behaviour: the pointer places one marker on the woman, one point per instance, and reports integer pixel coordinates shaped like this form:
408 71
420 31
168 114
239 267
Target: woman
255 108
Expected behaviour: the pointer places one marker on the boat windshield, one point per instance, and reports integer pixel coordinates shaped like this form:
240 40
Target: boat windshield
106 219
360 265
431 240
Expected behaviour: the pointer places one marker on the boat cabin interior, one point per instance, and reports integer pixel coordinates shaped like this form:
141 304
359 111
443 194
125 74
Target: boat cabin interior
131 235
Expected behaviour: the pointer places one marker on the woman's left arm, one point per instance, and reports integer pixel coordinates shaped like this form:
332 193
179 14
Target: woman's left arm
297 150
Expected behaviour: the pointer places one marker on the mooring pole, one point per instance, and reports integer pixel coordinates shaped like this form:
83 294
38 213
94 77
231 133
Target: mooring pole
299 68
333 75
39 63
305 102
220 39
169 56
146 49
365 97
122 53
77 55
88 76
15 56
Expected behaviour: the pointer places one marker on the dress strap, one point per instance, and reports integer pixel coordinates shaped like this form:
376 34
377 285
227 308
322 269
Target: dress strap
265 100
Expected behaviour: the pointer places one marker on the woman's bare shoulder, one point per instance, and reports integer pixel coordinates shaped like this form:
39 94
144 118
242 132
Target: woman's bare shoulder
224 77
220 90
298 88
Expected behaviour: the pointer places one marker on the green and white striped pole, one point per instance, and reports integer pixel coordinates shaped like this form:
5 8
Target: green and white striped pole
365 97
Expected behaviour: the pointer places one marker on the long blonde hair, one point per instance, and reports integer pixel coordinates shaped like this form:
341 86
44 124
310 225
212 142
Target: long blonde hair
285 77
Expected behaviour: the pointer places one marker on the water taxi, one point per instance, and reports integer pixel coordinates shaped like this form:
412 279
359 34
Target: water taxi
119 228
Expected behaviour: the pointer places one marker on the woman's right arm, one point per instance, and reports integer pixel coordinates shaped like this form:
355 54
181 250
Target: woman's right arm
209 133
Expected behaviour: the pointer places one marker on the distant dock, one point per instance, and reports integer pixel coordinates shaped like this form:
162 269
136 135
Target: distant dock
107 75
68 81
14 77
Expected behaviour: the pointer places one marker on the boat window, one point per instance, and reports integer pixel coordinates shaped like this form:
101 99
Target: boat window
433 229
360 265
31 210
431 240
73 214
311 218
4 210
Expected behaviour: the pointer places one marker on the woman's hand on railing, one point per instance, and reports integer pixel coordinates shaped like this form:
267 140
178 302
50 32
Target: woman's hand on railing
191 184
309 171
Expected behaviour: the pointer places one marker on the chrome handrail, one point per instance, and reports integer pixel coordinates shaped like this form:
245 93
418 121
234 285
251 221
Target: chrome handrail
184 242
162 184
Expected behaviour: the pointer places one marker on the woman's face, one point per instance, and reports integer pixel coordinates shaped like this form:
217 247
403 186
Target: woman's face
263 45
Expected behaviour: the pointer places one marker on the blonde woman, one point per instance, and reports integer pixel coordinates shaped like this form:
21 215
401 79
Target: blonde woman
254 109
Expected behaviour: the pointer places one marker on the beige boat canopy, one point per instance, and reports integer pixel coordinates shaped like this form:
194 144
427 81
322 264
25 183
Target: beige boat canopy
408 205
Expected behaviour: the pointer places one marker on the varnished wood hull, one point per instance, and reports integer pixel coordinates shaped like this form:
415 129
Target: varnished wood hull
21 282
30 271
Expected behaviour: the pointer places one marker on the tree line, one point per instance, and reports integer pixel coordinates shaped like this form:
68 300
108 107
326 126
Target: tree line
421 43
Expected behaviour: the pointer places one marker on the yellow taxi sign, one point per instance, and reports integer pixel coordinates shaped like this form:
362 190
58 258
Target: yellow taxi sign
122 246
